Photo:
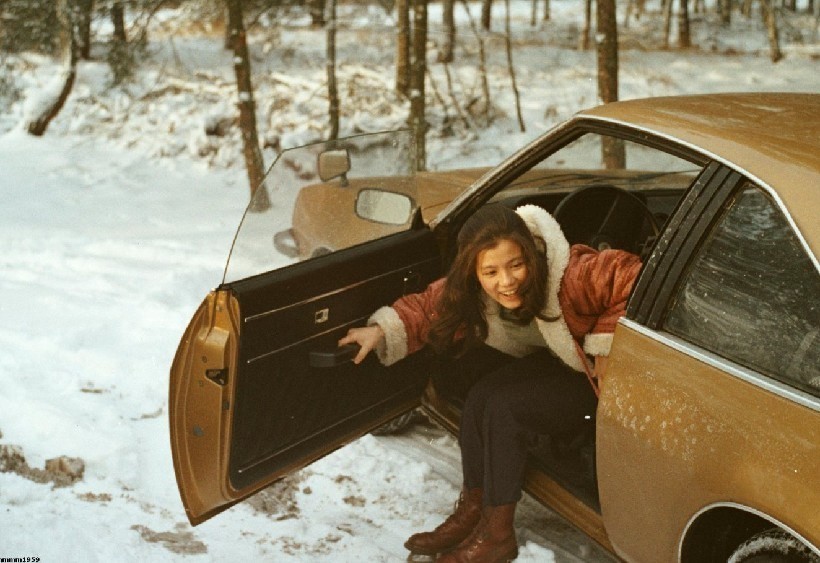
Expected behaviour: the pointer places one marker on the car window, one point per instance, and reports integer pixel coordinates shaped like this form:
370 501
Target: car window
605 198
752 295
588 161
594 151
325 197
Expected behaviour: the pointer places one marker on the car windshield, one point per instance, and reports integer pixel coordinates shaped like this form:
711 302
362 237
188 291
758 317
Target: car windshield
326 179
600 167
584 162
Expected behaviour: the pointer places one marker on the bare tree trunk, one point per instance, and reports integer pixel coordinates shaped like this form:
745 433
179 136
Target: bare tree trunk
533 12
482 62
641 9
636 8
607 42
486 14
612 150
254 163
667 22
725 7
118 21
418 123
508 43
84 9
445 53
317 12
584 43
463 115
684 38
437 95
771 27
402 47
332 92
547 13
38 124
227 40
630 7
746 8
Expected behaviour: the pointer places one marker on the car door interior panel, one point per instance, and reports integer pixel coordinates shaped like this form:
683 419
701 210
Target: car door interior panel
284 406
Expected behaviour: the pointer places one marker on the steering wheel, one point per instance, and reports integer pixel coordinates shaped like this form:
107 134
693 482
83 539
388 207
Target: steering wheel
606 217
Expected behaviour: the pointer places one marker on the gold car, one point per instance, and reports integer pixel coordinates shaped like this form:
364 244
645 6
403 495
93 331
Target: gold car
706 443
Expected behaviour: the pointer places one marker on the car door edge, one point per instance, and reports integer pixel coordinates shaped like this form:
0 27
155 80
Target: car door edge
200 386
201 398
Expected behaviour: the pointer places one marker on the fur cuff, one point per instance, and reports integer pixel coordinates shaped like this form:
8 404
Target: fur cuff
394 346
598 344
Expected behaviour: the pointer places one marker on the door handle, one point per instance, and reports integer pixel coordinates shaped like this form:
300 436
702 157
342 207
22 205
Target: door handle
332 357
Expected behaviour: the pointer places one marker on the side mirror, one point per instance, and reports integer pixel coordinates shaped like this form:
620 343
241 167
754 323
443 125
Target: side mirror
380 206
333 164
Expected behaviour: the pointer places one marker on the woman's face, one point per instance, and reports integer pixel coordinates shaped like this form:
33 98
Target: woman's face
501 271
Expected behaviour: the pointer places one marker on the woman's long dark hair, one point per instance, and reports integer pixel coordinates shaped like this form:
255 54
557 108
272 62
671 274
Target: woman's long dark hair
461 323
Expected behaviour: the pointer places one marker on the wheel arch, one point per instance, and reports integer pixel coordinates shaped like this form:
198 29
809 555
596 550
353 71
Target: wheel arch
717 530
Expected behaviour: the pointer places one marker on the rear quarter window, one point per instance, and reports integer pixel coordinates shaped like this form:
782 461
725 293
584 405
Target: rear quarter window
752 295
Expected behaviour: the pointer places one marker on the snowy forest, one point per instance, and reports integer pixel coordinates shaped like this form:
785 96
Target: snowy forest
132 133
424 52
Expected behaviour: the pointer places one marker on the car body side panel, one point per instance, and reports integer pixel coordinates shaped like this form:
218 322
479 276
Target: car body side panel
677 434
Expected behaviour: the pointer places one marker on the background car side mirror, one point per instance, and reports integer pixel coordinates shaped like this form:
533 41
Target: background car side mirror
334 164
384 207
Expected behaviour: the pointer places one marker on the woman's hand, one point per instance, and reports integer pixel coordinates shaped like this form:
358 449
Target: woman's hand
367 337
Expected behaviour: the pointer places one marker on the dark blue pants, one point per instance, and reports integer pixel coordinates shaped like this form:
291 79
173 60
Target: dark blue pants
514 400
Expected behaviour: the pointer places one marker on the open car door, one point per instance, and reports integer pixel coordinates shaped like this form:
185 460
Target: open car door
258 387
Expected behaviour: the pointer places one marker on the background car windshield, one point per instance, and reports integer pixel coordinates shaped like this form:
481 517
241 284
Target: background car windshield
302 192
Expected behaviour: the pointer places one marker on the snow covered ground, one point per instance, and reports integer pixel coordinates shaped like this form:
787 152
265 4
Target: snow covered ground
117 222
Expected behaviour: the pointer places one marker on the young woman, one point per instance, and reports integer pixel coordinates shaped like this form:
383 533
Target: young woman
522 310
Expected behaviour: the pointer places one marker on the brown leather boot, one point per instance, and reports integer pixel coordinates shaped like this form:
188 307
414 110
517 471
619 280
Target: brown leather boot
453 530
492 541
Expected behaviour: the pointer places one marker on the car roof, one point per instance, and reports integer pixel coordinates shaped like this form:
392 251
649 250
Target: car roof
773 137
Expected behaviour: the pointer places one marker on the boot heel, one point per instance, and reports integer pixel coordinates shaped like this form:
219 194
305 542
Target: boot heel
453 530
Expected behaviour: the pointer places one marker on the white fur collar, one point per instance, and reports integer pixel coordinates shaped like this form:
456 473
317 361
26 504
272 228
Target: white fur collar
543 225
556 334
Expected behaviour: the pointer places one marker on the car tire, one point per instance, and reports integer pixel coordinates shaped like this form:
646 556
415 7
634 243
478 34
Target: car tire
398 424
773 546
